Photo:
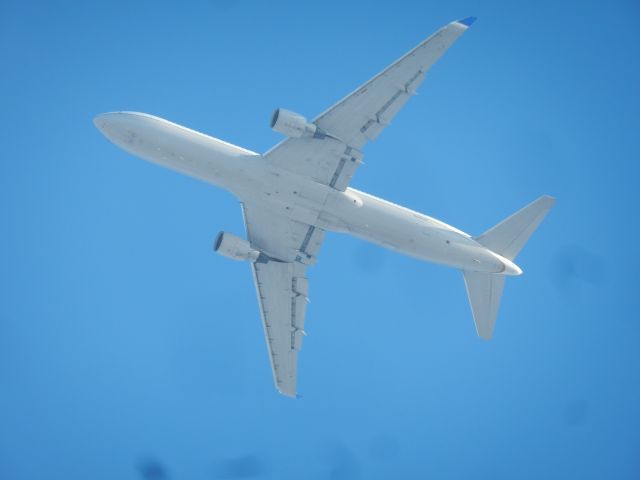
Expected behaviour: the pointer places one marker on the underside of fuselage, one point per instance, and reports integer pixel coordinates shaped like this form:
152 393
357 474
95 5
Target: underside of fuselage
247 175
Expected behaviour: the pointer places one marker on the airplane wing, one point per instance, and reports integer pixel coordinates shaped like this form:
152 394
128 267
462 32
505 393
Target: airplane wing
281 285
332 159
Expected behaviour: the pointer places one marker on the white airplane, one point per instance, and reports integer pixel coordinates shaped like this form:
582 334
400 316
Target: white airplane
294 193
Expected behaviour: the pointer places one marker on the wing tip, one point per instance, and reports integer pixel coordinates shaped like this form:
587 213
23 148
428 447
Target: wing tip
467 21
288 391
550 199
546 202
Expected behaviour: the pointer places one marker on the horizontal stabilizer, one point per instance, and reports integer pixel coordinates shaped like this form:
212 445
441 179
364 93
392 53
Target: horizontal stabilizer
485 291
509 236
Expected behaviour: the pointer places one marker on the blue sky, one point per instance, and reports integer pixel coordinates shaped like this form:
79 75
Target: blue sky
129 350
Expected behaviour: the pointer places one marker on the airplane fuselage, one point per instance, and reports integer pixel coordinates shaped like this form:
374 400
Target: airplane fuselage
250 178
298 190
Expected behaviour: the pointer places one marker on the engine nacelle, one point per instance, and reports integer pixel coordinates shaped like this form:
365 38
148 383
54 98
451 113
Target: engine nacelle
291 124
228 245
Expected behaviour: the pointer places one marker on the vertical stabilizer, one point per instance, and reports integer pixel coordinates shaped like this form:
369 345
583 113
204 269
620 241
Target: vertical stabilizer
485 291
509 236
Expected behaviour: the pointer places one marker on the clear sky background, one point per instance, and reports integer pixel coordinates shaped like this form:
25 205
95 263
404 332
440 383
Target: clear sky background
129 350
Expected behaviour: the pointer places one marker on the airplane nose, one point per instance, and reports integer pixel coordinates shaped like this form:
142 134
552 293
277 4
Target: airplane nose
105 122
99 121
121 128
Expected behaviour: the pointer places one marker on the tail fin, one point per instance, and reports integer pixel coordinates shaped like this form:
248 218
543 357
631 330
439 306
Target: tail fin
509 236
507 239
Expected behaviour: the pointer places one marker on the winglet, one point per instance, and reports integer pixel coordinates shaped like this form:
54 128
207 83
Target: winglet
468 21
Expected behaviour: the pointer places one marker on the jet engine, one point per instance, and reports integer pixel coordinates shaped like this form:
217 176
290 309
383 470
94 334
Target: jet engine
291 124
228 245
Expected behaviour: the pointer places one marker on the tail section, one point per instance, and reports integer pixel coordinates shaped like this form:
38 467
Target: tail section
484 291
506 239
509 236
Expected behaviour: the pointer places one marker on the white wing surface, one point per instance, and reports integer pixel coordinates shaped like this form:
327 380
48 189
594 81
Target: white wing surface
332 156
282 286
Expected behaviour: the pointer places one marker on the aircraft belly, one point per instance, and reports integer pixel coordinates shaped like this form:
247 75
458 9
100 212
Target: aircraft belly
286 194
405 231
179 148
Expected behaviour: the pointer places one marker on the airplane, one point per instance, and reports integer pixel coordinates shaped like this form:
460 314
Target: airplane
298 190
